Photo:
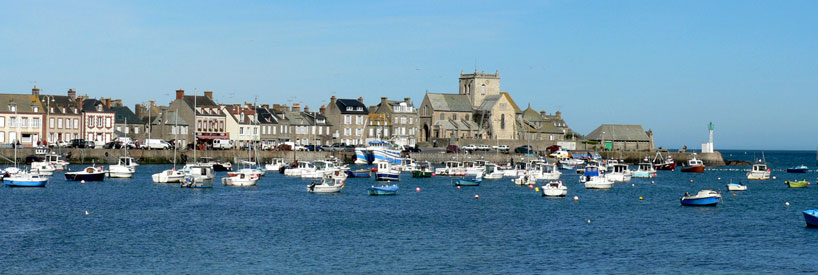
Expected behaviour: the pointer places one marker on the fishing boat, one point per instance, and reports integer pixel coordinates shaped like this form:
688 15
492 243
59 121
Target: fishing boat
241 179
662 163
123 169
593 180
425 170
546 171
360 173
644 170
759 172
198 176
326 185
491 172
25 179
811 217
451 169
798 169
168 176
619 173
383 190
736 186
554 189
467 182
91 173
57 161
525 179
300 168
797 184
702 198
386 172
275 164
693 165
322 168
43 168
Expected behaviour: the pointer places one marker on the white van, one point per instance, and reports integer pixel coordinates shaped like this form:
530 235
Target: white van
224 144
156 144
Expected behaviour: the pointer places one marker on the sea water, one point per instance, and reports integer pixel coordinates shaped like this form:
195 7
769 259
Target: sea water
136 226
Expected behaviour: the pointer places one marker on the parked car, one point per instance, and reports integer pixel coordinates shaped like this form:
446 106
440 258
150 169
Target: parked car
60 144
90 144
111 145
224 144
452 149
337 147
525 149
470 147
156 144
483 147
410 149
314 148
300 148
501 147
77 143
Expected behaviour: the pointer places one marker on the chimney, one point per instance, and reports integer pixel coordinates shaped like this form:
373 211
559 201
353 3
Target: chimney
296 107
285 108
361 99
72 94
180 94
323 110
108 102
118 102
208 94
306 109
559 114
383 101
277 107
265 106
406 99
138 110
332 100
35 91
542 113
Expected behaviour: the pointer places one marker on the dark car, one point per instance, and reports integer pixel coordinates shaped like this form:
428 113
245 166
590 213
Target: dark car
349 148
77 143
452 149
525 149
410 149
314 148
111 145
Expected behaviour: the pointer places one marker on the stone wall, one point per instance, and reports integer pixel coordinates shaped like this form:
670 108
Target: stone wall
79 156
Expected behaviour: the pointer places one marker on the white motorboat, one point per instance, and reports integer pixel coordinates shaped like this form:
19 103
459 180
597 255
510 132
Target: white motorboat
452 169
241 179
525 179
598 182
303 167
736 186
546 171
645 170
759 172
619 173
554 189
168 176
386 172
491 172
56 161
198 176
42 168
323 168
275 164
123 169
326 185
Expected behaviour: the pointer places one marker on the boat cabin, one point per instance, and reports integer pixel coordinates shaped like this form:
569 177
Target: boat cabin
620 168
384 166
645 167
490 168
127 161
760 167
546 168
480 163
305 165
452 164
201 170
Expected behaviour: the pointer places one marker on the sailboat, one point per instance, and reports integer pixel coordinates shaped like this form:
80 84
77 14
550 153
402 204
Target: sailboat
171 175
197 175
21 178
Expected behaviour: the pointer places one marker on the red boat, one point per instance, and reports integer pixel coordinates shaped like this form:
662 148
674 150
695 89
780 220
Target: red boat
660 163
693 165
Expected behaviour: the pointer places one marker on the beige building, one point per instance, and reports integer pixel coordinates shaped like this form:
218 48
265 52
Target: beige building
497 115
20 119
446 116
62 116
349 118
478 86
402 120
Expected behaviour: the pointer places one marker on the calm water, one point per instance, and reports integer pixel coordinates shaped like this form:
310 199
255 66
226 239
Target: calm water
136 226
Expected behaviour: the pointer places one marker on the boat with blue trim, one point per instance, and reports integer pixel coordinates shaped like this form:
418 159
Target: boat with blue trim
25 179
811 217
798 169
467 182
702 198
360 173
383 190
386 172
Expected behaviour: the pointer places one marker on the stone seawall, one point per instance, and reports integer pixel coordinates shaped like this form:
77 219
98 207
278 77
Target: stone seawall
710 159
79 156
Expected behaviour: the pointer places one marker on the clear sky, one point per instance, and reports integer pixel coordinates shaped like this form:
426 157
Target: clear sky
750 67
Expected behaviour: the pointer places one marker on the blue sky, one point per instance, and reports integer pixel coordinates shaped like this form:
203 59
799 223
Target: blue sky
749 66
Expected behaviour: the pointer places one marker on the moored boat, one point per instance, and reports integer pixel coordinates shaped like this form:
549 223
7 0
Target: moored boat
326 185
383 190
198 176
662 163
797 184
702 198
386 172
90 173
811 217
123 169
759 172
736 186
467 182
693 165
168 176
798 169
644 170
360 173
554 189
25 179
241 179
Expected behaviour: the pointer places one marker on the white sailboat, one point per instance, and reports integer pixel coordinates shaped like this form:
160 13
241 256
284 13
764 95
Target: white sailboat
171 175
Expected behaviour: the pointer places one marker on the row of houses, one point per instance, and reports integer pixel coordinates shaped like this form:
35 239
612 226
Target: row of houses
479 110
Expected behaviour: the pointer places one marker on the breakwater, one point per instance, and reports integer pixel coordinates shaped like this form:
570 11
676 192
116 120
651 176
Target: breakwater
109 156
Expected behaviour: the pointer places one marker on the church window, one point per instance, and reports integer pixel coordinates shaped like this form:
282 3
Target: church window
503 121
483 89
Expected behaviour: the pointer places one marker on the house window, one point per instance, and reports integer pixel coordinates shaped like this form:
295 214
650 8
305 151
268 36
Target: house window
13 122
67 123
119 128
454 116
59 123
503 121
108 122
24 122
442 117
36 109
136 130
221 126
2 137
2 122
467 118
51 123
76 125
35 122
12 108
99 108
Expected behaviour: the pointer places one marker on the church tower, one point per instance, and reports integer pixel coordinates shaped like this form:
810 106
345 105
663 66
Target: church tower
479 85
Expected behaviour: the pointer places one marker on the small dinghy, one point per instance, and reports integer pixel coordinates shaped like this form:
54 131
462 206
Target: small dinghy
467 182
797 184
811 217
525 179
798 169
554 189
703 198
383 190
736 187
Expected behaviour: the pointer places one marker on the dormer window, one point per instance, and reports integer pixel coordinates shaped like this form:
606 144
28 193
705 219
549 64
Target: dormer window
349 108
359 109
52 109
99 107
36 109
13 107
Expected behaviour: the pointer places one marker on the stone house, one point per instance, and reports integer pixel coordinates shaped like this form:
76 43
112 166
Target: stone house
403 119
497 115
20 119
446 116
348 118
127 124
538 127
240 120
619 137
62 116
207 121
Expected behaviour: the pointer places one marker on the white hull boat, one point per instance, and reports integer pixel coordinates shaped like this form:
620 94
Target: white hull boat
554 189
241 179
168 176
327 185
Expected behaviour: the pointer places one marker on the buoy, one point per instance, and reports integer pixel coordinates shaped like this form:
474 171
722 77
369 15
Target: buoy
476 196
691 180
82 181
530 186
458 187
632 185
652 182
576 198
787 203
86 212
719 178
773 177
417 189
734 194
640 198
589 220
537 189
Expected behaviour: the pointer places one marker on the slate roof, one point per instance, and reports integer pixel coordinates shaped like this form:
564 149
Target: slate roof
266 117
170 118
488 103
58 102
450 102
124 114
90 105
619 132
358 108
200 100
24 102
451 124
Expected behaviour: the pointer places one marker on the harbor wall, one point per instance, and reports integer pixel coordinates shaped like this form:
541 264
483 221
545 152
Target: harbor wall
710 159
102 156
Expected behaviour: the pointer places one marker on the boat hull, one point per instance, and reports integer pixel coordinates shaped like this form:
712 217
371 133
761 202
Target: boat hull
222 168
359 174
665 166
797 184
643 174
797 170
25 183
694 169
387 176
554 192
463 182
700 201
598 185
811 218
736 187
86 177
383 190
422 174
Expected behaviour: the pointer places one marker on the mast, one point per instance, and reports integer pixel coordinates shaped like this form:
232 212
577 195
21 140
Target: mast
195 138
175 137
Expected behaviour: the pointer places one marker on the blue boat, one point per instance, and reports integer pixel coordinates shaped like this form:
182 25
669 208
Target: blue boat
362 173
383 190
703 198
465 182
25 180
811 217
798 169
386 173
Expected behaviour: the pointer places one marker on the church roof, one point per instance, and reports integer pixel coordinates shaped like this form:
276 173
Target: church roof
450 102
619 132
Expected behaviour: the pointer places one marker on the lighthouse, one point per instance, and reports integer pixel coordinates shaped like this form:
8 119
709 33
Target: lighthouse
707 147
